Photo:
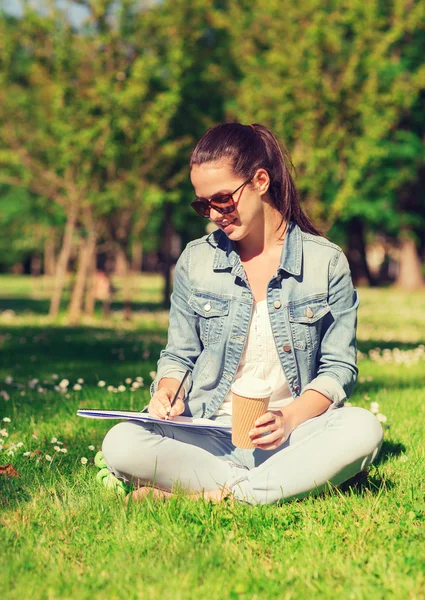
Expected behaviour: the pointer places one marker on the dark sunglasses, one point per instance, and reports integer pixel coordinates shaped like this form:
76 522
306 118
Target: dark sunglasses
222 203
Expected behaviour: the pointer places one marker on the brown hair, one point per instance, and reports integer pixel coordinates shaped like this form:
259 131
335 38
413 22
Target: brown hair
251 147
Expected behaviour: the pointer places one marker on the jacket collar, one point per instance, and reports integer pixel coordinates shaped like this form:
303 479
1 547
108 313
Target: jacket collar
227 257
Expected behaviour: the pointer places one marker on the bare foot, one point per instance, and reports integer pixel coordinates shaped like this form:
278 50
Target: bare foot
215 496
143 492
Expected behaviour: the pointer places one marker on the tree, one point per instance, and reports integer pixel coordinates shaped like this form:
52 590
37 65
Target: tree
83 122
342 83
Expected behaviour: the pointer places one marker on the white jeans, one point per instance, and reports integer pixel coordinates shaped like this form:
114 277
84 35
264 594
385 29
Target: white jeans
329 448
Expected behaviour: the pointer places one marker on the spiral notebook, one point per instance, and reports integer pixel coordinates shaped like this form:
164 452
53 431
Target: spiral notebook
133 415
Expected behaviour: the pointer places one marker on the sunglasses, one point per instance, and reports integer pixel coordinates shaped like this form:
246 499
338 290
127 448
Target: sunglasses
222 203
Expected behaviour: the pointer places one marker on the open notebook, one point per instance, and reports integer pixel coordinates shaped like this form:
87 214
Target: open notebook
134 415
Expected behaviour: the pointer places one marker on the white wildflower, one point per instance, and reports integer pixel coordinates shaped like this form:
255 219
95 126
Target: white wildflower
140 379
404 458
84 460
77 387
91 447
152 374
27 453
22 393
9 380
53 440
80 380
121 388
110 388
59 443
57 448
3 432
19 444
64 384
374 407
381 418
101 383
128 380
5 395
6 419
55 376
48 458
10 452
57 388
135 385
64 450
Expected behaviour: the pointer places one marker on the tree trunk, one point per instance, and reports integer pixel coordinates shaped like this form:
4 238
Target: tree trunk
62 264
166 252
35 265
356 253
85 258
137 257
49 257
410 276
127 283
90 300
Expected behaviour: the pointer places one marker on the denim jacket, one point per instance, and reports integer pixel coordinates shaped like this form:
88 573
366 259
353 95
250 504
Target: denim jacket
312 307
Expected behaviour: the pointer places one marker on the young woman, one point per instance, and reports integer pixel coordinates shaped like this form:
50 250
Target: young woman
265 294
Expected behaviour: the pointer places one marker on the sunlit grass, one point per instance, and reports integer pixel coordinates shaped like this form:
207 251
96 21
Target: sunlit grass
65 536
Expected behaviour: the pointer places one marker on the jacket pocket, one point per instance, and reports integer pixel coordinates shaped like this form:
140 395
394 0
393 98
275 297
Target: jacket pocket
212 311
306 319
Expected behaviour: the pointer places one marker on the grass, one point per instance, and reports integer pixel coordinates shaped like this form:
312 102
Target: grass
64 536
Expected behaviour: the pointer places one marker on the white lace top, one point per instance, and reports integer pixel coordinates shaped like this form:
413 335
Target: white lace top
260 359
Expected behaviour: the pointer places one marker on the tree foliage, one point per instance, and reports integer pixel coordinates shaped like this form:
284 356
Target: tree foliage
100 120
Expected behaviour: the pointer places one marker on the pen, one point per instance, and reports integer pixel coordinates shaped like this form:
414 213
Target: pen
173 401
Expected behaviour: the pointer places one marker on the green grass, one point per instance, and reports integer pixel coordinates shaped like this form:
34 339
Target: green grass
65 536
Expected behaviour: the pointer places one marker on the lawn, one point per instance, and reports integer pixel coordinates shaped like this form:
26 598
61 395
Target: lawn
63 535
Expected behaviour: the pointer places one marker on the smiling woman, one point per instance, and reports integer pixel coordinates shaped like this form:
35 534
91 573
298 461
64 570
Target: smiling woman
263 296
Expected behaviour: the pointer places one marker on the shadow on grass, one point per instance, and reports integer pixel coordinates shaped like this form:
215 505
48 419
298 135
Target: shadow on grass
73 352
22 306
366 345
370 480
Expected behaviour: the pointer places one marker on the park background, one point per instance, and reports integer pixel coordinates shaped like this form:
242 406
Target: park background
100 105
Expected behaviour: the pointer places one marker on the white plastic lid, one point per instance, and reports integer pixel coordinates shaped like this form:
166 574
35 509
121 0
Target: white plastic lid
251 387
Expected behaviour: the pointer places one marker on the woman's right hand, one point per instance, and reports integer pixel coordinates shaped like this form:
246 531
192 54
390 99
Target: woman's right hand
161 401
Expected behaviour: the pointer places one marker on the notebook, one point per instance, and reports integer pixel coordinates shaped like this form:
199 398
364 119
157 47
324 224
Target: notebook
133 415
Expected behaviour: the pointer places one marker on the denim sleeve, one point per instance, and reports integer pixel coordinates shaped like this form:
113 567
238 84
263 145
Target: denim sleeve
184 343
337 356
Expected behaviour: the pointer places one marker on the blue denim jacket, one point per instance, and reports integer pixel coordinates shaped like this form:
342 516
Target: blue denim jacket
313 314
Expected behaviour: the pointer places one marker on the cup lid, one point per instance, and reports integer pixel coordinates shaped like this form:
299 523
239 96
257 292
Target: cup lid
251 387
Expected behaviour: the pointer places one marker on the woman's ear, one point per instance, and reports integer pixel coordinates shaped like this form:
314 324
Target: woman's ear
261 181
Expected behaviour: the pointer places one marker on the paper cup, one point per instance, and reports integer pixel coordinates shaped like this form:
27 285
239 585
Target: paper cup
245 411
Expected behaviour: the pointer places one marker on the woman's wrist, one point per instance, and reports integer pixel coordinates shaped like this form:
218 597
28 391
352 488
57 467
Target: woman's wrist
289 417
308 405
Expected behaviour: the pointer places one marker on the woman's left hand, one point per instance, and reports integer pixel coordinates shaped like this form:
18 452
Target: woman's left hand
273 423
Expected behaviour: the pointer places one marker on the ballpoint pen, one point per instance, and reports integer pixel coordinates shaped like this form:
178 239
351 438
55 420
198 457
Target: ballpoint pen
173 401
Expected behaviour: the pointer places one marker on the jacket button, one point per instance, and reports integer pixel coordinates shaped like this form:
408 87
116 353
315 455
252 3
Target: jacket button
287 348
277 304
207 307
296 388
309 313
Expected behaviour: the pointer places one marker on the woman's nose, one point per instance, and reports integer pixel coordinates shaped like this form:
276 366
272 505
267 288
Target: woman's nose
215 215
